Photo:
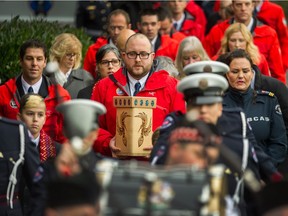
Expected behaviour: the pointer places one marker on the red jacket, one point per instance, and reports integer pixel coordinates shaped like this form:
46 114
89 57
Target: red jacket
89 63
197 12
168 47
276 20
264 37
160 85
9 105
263 66
178 36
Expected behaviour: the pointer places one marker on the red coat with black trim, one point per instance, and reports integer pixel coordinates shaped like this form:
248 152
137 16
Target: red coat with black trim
160 85
276 19
168 47
89 63
9 106
264 37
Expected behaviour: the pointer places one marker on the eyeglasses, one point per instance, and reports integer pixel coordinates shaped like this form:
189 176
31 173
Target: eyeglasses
114 62
142 55
71 55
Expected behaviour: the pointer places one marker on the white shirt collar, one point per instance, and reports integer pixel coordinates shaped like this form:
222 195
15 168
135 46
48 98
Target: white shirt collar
153 41
36 141
250 24
68 73
35 87
133 81
179 22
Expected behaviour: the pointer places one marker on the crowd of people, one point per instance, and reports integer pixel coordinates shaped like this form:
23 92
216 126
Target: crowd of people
219 102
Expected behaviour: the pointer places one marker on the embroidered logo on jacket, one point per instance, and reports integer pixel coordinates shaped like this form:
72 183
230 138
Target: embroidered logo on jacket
13 104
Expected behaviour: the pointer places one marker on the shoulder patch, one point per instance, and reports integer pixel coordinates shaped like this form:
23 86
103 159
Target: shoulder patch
278 109
168 121
262 92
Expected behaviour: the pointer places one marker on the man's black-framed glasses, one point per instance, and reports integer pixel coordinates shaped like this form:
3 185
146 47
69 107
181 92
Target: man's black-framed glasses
142 55
114 62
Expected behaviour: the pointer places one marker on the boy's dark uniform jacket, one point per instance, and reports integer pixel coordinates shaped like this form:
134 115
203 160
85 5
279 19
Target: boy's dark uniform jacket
230 128
9 154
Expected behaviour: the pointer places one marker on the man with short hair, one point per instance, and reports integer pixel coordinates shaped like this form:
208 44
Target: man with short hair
139 69
122 38
33 59
165 18
118 20
265 38
149 25
183 21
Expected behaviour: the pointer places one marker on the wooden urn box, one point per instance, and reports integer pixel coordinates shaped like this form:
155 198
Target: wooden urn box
134 119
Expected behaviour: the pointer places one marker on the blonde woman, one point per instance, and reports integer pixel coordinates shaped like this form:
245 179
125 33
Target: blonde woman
190 50
237 36
66 50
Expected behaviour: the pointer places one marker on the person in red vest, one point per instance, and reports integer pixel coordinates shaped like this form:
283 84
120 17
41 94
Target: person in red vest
150 25
183 21
33 58
264 37
277 21
165 17
117 21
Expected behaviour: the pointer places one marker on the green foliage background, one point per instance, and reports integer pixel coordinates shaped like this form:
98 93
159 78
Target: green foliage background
15 31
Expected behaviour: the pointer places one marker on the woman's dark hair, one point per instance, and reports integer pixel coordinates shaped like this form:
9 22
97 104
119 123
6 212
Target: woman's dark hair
238 53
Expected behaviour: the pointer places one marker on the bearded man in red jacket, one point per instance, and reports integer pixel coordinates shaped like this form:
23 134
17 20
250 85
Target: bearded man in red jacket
140 71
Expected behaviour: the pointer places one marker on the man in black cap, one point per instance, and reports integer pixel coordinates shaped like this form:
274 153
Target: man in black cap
76 195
